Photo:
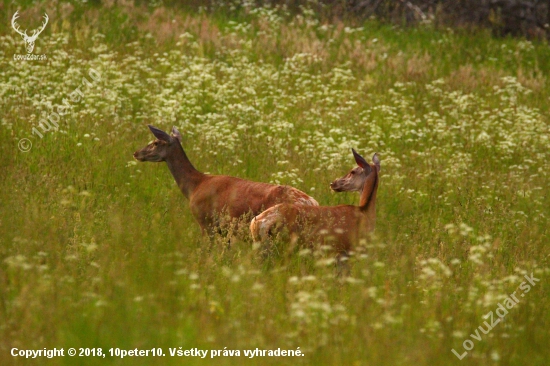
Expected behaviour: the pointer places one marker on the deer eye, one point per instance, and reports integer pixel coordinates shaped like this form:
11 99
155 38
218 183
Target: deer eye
352 172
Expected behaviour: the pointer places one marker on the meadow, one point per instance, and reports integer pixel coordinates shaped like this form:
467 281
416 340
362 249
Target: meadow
98 250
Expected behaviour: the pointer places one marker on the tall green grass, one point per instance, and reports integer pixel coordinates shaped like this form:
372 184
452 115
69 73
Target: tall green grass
98 251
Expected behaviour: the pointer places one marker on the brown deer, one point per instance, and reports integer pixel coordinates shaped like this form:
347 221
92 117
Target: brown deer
212 197
339 226
354 181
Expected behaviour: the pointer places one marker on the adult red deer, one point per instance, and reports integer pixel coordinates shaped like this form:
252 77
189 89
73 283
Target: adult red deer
211 197
339 226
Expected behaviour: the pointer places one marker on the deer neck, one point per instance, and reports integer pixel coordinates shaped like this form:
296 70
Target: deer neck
367 204
185 174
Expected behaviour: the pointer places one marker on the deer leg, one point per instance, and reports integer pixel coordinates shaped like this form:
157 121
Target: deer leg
342 265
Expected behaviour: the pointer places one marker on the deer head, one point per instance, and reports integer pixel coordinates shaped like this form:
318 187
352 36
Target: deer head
354 181
162 147
29 40
341 226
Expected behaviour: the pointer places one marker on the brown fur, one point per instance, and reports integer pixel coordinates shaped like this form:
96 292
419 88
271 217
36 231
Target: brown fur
212 197
340 226
354 181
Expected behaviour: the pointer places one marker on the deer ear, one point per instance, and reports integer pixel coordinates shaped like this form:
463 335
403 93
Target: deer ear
159 134
376 161
176 134
361 162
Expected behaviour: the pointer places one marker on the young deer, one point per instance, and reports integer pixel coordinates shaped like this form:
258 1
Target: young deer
213 196
354 181
339 226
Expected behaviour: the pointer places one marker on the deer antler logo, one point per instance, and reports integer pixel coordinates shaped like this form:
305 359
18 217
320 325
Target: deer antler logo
29 40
